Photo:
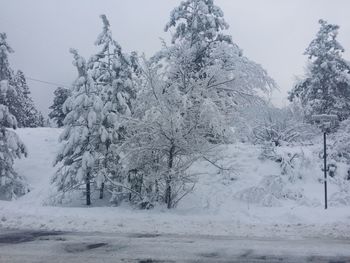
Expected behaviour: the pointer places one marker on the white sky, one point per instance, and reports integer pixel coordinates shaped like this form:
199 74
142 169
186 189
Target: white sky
273 33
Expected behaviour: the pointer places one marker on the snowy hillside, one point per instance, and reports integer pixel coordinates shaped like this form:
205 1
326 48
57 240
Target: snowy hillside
244 199
42 145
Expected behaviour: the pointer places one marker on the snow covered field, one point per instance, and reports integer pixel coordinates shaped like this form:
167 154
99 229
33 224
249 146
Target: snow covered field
216 206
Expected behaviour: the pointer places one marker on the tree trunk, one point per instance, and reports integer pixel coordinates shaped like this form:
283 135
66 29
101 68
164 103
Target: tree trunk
168 200
101 190
157 188
168 193
88 192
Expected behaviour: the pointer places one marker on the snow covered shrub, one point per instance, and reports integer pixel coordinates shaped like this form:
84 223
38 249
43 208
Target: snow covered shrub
340 199
338 152
270 191
290 161
275 132
341 184
279 127
340 143
136 188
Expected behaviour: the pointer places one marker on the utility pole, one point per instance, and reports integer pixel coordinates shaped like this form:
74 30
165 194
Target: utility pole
325 122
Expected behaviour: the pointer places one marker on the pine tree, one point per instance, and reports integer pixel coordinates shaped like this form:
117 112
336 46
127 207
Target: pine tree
326 86
6 72
22 105
113 72
21 80
18 101
12 185
83 134
57 114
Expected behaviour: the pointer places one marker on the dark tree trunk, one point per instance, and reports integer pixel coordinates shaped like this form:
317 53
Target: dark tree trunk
105 163
88 192
157 188
101 190
168 194
168 200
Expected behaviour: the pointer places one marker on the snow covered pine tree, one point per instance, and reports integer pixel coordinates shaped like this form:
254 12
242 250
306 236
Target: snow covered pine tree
112 71
326 87
81 138
19 102
11 147
23 107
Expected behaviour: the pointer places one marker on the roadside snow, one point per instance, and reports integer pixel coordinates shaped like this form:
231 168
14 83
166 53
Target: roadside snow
213 208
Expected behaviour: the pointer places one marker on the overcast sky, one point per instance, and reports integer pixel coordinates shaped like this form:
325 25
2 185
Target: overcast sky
273 33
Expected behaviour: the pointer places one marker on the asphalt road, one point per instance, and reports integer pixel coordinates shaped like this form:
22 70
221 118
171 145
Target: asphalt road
71 247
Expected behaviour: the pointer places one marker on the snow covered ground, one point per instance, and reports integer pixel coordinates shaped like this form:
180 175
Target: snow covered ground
218 205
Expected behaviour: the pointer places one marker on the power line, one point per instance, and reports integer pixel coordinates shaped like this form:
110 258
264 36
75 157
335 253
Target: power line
48 82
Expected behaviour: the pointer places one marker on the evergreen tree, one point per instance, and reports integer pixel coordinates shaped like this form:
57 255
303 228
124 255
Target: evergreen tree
57 114
198 26
83 134
6 72
18 101
22 105
11 147
21 81
113 72
326 86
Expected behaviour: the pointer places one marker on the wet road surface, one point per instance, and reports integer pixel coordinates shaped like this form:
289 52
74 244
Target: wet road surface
71 247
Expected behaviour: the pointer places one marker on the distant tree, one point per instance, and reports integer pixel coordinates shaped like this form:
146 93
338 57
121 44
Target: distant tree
57 114
326 86
23 106
6 73
21 81
11 147
83 134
